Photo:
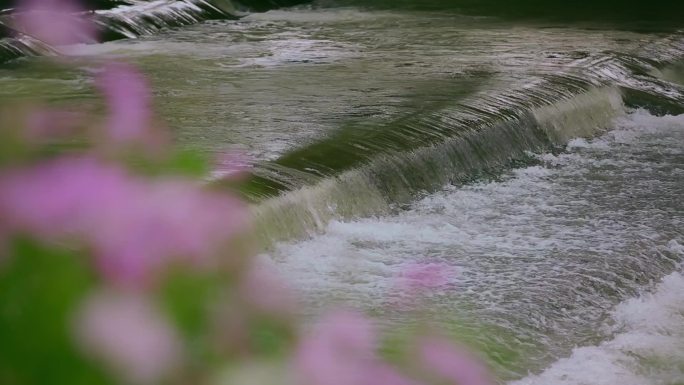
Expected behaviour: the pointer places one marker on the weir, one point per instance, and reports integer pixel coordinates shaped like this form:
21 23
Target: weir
394 179
148 17
478 134
118 19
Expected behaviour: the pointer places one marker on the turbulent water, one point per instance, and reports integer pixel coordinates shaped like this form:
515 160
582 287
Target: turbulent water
542 256
543 161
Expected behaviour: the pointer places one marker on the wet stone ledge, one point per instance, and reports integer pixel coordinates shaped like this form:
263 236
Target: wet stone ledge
121 19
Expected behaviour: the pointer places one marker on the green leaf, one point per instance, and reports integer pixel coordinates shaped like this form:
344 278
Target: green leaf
39 290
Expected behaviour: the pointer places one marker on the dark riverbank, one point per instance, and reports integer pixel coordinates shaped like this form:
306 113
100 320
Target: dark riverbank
657 15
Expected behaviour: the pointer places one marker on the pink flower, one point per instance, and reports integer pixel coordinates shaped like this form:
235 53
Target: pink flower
450 363
233 165
339 351
263 289
56 22
135 227
60 197
129 99
164 220
383 374
4 247
44 124
129 336
417 277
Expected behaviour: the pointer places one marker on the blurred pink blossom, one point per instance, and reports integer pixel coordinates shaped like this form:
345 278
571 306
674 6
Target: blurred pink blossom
386 375
128 335
417 277
128 97
61 196
44 124
166 219
339 351
263 289
450 363
56 22
134 226
4 246
233 165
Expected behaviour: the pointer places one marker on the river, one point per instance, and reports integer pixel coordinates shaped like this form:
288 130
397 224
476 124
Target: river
542 162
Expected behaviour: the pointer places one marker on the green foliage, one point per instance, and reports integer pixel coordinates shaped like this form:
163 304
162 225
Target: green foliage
185 296
270 336
189 162
39 290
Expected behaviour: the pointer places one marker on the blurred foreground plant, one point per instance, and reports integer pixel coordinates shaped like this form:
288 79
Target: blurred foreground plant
118 265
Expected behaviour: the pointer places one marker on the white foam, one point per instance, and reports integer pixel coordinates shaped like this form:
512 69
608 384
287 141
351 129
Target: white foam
647 350
564 231
298 50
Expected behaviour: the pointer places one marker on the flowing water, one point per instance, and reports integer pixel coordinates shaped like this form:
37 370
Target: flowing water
542 256
516 154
